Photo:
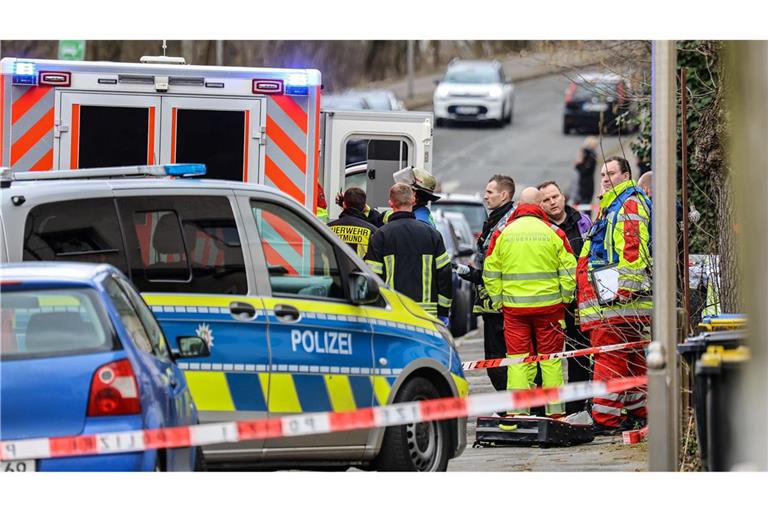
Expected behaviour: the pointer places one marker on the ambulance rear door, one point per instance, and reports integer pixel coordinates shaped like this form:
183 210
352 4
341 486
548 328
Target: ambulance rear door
225 134
364 149
106 129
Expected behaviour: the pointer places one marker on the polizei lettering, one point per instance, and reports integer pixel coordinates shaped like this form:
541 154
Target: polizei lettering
327 342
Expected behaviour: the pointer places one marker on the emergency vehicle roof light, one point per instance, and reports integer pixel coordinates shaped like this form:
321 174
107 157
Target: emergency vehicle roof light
24 73
177 170
185 169
297 84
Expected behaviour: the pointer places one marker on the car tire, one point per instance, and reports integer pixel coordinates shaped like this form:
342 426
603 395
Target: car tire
415 447
566 129
459 318
160 466
439 121
199 460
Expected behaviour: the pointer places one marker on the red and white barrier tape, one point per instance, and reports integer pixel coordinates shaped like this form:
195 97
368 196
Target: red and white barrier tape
495 363
306 424
634 436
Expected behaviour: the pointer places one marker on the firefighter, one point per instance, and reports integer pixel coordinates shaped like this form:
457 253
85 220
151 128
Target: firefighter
410 256
424 185
498 198
618 243
530 273
352 226
322 204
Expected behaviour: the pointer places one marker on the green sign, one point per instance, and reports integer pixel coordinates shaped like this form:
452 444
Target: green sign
71 50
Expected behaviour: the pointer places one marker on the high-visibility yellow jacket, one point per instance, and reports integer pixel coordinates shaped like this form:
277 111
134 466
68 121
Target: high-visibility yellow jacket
530 266
627 245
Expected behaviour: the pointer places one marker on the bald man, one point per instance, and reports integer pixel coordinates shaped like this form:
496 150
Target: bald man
530 274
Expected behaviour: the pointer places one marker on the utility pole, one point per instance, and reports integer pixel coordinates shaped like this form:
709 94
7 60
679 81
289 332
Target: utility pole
410 65
219 52
663 378
748 72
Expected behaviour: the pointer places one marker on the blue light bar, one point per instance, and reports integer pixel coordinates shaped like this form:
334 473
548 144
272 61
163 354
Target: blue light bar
24 73
297 84
185 169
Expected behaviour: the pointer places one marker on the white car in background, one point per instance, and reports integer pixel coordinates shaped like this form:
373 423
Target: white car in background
473 90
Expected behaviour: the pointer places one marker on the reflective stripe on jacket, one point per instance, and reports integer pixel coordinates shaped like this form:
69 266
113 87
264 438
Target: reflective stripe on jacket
626 242
530 264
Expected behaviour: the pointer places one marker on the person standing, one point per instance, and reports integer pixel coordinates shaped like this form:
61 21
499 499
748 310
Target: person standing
575 225
529 273
410 256
619 243
584 172
352 226
498 199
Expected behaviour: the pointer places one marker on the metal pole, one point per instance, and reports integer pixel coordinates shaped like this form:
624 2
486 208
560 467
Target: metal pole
409 64
663 385
684 187
748 89
219 52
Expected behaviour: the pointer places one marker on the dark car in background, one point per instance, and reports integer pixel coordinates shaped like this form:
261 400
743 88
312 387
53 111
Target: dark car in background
463 291
598 104
471 206
379 100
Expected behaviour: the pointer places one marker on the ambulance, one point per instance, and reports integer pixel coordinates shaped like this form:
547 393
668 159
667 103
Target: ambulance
255 125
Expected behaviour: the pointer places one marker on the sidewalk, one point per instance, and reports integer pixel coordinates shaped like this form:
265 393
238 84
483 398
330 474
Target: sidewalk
518 67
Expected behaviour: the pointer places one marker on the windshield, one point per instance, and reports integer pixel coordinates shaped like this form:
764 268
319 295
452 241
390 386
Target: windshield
474 213
52 322
471 75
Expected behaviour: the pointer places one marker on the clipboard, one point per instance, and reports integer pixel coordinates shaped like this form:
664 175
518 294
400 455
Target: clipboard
606 283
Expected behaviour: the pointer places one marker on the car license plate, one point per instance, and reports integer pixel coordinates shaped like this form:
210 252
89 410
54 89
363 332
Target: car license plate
595 107
19 466
467 110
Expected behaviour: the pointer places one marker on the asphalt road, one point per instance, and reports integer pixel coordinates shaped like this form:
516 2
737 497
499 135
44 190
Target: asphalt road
605 453
532 150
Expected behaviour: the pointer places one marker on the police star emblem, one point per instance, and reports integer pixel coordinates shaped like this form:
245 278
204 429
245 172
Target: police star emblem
204 331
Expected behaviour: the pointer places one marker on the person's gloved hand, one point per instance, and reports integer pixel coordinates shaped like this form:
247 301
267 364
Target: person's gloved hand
446 321
460 269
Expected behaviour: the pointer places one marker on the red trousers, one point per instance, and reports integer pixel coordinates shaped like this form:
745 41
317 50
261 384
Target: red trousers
611 409
519 330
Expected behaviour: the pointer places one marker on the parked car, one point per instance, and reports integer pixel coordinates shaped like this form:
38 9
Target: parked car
381 100
474 90
594 103
343 102
463 291
295 321
472 207
83 354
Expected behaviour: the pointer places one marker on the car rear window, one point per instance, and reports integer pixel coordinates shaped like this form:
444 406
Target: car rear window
474 213
587 90
52 322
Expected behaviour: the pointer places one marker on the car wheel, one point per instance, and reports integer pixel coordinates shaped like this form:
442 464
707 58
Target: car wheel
415 447
566 129
439 121
199 460
459 318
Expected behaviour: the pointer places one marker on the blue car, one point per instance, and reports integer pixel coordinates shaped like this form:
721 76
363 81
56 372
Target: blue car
83 354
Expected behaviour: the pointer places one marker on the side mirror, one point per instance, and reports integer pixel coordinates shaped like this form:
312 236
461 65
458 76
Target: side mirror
363 288
436 81
465 251
191 346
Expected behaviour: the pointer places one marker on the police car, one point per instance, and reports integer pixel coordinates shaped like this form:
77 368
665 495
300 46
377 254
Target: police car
294 320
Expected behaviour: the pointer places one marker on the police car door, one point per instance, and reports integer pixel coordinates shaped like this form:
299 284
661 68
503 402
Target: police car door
320 342
190 265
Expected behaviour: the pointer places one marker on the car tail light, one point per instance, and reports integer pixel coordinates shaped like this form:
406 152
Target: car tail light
570 92
114 390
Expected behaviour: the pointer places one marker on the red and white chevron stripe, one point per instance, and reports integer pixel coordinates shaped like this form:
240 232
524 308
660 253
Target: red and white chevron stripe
494 363
307 424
